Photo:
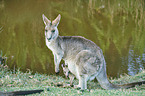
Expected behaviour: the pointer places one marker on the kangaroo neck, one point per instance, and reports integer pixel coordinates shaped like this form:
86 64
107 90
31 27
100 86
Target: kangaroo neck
52 44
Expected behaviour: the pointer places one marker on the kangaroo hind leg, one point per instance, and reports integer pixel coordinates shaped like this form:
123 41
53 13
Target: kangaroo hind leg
82 66
82 80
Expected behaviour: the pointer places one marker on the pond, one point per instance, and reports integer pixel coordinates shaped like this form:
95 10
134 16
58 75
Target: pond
117 27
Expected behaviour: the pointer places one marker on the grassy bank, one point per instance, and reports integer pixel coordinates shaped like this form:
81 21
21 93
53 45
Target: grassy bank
14 81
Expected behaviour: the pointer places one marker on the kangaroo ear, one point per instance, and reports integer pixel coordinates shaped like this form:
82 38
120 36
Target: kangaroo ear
56 21
46 20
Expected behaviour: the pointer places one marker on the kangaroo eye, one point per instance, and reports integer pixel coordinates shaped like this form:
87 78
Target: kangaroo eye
46 30
52 31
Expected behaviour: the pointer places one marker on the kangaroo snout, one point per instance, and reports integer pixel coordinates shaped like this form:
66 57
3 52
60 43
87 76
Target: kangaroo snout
49 39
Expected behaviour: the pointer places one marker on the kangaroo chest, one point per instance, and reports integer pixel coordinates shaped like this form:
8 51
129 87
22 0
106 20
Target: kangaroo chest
53 47
50 45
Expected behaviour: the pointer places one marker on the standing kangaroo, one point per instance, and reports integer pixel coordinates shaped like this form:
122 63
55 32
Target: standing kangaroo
84 58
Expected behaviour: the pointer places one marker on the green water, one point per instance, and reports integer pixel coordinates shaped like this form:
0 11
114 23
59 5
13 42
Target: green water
117 26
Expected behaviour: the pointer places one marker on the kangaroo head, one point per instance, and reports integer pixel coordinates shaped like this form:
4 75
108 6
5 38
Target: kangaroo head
65 70
51 31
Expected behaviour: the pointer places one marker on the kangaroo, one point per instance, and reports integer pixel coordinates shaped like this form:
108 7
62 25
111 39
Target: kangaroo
68 74
84 58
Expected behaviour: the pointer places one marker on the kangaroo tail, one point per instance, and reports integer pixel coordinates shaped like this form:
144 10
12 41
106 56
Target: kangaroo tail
104 82
102 79
17 93
130 85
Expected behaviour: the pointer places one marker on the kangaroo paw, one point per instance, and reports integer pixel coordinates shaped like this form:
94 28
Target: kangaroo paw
77 87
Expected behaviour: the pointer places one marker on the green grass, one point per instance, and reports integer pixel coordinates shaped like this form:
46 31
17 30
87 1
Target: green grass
14 81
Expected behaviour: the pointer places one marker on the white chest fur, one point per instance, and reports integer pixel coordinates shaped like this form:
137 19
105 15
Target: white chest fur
48 44
51 45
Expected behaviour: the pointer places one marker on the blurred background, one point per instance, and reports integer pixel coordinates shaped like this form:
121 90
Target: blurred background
116 26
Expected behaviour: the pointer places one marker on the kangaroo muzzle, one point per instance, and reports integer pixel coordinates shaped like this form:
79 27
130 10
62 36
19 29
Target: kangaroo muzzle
49 39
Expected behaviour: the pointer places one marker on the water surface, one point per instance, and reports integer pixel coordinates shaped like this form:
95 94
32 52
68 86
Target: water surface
117 27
